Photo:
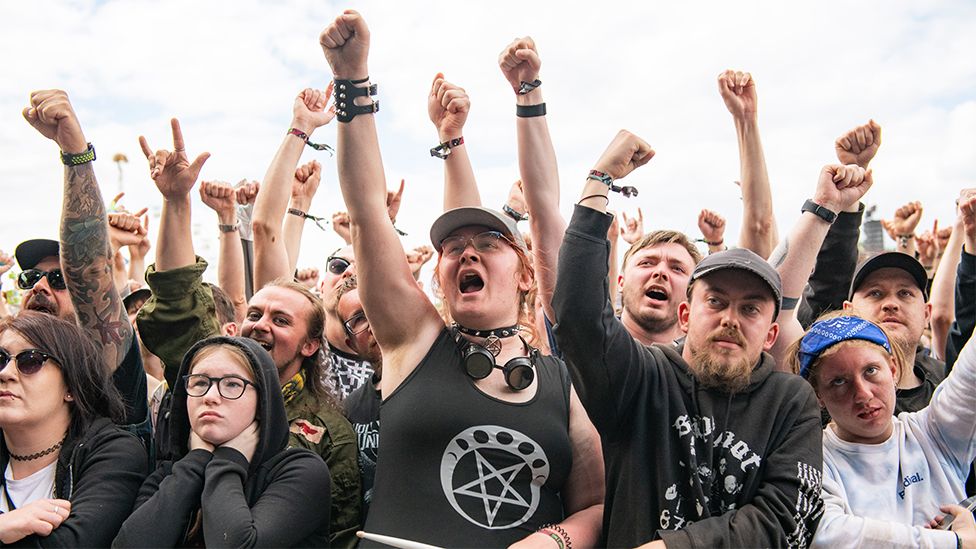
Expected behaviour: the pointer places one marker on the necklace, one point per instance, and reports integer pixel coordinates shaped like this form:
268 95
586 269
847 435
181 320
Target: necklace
40 454
493 337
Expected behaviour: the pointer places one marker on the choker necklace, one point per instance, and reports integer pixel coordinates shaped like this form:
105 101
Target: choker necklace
493 337
40 454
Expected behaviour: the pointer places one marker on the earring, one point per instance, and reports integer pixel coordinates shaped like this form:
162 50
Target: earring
68 397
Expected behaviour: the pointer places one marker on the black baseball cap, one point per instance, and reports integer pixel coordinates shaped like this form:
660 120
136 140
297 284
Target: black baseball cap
30 252
896 260
452 220
746 260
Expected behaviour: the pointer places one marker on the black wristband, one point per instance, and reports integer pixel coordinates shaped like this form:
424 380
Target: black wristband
514 214
819 211
78 159
530 111
346 93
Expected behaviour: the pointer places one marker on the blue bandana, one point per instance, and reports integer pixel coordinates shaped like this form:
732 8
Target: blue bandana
827 333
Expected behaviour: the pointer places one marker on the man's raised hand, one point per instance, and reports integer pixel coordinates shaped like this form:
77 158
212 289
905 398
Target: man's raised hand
51 114
221 198
625 153
839 187
520 62
345 43
738 90
126 229
448 106
712 226
341 225
633 227
247 192
171 170
905 220
306 182
858 146
312 110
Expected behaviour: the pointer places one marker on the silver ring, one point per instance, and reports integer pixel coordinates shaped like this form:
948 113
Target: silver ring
57 510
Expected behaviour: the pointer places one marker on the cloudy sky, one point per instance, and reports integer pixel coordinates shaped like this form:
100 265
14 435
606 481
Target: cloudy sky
230 70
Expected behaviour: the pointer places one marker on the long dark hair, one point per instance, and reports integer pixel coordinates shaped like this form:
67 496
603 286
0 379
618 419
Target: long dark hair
85 373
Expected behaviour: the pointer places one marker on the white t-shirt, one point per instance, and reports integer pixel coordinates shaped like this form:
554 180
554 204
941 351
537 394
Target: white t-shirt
40 485
881 495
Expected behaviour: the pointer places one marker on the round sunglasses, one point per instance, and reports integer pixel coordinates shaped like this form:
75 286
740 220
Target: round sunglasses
29 361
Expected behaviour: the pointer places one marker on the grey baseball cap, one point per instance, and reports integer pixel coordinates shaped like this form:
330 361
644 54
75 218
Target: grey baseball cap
452 220
896 260
746 260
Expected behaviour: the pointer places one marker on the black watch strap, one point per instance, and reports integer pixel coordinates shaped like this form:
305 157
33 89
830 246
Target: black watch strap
819 211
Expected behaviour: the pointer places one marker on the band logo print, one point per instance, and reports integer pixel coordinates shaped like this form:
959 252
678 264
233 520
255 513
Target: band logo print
492 476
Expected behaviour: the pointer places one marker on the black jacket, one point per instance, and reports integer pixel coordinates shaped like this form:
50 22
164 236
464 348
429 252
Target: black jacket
99 472
692 466
279 499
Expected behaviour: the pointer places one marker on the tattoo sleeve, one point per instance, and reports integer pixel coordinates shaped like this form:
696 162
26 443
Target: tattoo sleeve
86 261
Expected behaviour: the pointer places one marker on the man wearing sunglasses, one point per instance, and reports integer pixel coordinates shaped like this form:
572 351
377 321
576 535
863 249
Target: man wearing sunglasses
72 279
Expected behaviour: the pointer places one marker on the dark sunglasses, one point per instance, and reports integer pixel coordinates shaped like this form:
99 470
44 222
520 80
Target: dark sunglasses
27 279
337 265
229 387
29 361
356 324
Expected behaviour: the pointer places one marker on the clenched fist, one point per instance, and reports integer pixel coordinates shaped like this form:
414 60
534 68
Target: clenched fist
625 153
739 93
345 43
51 114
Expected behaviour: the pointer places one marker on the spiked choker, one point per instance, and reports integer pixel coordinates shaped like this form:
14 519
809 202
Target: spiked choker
492 337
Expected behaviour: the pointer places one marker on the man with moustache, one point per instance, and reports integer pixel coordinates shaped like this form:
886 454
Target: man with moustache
705 444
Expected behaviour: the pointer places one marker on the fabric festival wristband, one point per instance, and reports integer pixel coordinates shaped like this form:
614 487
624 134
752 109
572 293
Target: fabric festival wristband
530 111
304 137
604 178
443 150
78 159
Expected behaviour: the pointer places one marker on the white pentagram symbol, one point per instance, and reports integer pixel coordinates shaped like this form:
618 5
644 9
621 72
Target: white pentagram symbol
498 467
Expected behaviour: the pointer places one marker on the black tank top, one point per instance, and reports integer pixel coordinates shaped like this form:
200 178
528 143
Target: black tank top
460 468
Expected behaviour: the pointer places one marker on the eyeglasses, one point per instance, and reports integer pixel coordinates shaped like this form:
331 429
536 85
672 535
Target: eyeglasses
29 361
486 242
337 265
27 279
356 324
229 387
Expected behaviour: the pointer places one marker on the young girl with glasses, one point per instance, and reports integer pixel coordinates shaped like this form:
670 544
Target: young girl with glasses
235 483
70 476
887 480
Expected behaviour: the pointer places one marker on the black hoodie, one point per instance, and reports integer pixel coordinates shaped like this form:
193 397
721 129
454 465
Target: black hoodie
279 499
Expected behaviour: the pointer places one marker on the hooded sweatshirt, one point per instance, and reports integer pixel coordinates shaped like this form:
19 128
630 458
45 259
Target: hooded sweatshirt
693 466
279 499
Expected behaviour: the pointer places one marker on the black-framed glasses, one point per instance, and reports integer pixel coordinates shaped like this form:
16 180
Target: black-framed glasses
337 265
29 361
356 324
230 387
27 279
486 242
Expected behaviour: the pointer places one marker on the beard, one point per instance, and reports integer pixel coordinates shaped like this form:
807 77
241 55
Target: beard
717 369
40 302
652 322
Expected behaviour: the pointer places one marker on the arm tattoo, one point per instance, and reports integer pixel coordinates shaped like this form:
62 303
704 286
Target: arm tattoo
86 260
778 256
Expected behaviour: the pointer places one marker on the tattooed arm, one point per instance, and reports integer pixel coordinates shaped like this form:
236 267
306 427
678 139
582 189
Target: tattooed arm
86 257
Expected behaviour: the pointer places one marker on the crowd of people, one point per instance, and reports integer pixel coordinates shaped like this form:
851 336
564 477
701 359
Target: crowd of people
556 392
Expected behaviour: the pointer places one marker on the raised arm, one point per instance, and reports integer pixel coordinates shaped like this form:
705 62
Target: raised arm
942 294
124 229
86 257
303 188
222 199
901 228
271 257
138 252
403 320
965 299
837 188
712 227
448 106
759 232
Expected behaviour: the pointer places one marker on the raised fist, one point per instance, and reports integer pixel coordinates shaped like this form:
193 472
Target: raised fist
520 62
247 192
418 257
308 277
516 198
345 43
306 182
633 227
126 229
967 213
51 114
309 111
927 248
448 106
942 237
859 145
712 226
171 170
342 226
840 187
905 220
141 248
220 197
739 93
625 153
